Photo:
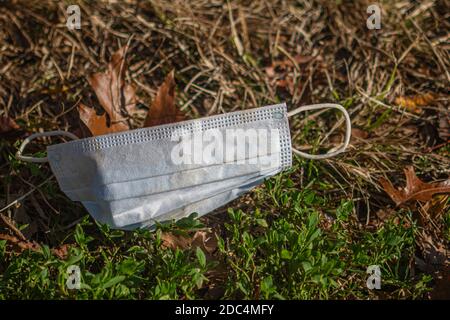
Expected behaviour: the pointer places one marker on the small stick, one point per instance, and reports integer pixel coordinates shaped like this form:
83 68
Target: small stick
10 224
25 195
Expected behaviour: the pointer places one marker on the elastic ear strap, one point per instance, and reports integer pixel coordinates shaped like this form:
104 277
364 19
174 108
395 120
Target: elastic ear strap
37 135
348 128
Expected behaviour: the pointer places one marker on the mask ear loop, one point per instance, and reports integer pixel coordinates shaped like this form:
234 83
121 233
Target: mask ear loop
348 131
37 135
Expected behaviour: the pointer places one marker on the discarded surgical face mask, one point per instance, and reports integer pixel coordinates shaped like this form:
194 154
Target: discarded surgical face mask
132 179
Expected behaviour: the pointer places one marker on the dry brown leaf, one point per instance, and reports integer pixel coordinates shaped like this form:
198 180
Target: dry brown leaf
415 188
21 244
163 109
202 239
98 124
116 97
7 124
413 103
113 93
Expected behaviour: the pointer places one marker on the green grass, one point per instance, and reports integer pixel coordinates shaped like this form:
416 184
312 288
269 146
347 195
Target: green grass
299 243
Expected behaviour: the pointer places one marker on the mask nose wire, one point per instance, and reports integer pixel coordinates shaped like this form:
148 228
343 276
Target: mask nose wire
348 129
37 135
290 114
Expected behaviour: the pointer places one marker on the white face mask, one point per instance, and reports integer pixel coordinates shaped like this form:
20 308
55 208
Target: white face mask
132 179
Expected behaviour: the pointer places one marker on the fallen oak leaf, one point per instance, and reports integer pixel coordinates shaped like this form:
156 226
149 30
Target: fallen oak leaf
163 109
117 98
98 124
415 188
113 93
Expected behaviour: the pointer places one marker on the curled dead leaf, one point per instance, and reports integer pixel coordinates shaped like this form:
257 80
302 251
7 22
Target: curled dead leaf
415 188
117 98
163 109
98 124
